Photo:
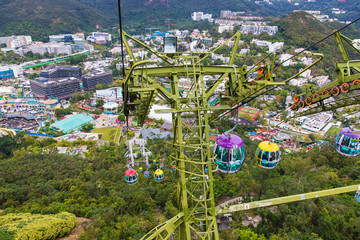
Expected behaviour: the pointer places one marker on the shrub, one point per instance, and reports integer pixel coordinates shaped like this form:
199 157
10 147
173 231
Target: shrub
35 226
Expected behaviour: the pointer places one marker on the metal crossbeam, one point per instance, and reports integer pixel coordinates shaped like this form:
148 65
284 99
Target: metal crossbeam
164 230
287 199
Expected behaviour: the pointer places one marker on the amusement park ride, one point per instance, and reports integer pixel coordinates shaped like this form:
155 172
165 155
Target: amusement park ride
137 147
192 113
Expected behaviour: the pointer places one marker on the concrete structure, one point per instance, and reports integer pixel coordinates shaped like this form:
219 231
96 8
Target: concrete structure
315 122
223 28
225 14
6 73
61 38
57 82
151 133
106 94
72 123
257 30
228 22
16 41
7 91
273 47
99 37
52 48
59 88
198 16
98 76
61 72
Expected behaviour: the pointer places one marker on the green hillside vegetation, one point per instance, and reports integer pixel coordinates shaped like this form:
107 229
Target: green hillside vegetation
301 30
141 14
26 226
39 180
41 18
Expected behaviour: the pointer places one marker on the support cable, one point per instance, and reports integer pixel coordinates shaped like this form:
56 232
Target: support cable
321 40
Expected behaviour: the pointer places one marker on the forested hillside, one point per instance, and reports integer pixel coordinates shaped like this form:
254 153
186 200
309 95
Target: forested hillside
41 18
43 181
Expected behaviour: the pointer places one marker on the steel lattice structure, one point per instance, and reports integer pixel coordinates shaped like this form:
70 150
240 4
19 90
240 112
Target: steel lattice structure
194 103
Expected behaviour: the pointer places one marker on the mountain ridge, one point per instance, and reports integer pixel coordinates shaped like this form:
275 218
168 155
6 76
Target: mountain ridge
40 18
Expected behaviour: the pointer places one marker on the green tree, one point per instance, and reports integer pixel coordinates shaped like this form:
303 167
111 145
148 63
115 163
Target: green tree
99 103
7 145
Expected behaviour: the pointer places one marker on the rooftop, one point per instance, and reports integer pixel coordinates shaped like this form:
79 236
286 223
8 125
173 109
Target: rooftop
72 122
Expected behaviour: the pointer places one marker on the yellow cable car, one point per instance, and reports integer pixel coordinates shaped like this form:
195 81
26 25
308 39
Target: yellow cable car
159 175
267 155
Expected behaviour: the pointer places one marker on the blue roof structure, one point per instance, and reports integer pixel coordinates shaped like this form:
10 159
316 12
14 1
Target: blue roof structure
72 123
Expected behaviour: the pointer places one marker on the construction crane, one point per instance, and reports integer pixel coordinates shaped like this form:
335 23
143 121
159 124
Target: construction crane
150 29
192 113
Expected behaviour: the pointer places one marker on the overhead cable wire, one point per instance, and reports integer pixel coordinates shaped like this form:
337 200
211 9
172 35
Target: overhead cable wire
321 40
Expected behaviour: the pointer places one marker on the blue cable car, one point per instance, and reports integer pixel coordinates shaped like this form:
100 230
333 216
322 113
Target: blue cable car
229 153
357 196
347 142
146 174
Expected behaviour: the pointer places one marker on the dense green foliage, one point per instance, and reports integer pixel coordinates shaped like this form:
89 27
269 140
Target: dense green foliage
41 18
26 226
37 179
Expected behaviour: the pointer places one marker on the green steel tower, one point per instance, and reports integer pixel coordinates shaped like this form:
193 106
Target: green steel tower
191 88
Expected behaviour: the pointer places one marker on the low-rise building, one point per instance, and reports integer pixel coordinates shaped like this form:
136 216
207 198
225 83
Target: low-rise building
16 41
316 122
6 73
98 76
59 88
257 30
223 28
99 37
61 72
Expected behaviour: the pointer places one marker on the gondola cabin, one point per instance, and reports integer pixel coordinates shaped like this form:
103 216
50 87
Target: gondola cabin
140 169
229 153
357 196
131 176
347 142
267 155
146 174
159 175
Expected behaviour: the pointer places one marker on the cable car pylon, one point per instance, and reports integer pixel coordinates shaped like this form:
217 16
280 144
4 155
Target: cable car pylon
191 116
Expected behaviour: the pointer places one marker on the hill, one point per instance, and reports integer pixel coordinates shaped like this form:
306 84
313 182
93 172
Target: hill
148 13
41 18
301 30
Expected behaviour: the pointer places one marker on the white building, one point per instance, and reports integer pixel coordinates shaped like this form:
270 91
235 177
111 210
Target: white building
298 81
52 48
198 16
244 51
223 28
284 59
226 14
257 30
316 122
322 81
273 47
7 90
16 41
99 37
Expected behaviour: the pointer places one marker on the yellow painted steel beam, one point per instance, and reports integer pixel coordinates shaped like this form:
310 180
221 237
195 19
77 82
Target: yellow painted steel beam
288 199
